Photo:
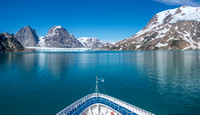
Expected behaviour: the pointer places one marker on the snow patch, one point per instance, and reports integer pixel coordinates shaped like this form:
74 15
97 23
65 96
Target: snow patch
57 27
138 46
190 14
55 32
41 41
165 30
87 41
162 15
161 45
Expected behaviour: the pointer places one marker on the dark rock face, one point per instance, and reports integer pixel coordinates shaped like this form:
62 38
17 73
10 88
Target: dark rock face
179 44
59 37
149 38
27 36
8 43
176 29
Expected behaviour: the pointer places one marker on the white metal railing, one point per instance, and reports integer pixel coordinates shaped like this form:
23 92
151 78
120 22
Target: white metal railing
75 104
128 106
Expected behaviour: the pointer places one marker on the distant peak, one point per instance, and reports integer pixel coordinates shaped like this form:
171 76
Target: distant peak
27 27
56 30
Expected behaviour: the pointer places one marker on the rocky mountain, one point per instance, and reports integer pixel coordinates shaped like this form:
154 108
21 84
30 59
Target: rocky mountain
175 29
8 43
59 37
27 36
94 43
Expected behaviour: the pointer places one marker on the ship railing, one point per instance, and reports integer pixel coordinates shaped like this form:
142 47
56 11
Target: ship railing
75 104
128 106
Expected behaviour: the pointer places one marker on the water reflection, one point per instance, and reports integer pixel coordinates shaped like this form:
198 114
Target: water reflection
177 74
42 63
163 82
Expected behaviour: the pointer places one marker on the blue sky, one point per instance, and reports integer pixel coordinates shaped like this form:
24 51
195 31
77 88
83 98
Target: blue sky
108 20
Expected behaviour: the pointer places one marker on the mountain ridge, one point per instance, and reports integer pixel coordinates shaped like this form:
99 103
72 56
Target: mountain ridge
174 29
58 36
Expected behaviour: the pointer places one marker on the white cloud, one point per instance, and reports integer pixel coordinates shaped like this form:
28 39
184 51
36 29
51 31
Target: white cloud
180 2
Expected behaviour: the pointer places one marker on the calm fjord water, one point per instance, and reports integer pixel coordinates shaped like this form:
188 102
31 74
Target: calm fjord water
162 82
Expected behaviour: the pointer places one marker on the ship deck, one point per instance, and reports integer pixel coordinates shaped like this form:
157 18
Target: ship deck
101 104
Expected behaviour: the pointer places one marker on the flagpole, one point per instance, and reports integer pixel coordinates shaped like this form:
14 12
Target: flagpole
97 85
97 89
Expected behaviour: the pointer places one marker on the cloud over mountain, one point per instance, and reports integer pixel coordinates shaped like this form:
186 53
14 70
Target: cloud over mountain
180 2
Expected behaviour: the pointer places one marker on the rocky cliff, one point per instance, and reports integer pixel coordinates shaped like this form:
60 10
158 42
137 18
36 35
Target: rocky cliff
27 36
8 43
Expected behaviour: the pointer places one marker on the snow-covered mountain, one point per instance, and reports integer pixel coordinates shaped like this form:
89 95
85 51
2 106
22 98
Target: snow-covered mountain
59 37
27 36
175 29
94 43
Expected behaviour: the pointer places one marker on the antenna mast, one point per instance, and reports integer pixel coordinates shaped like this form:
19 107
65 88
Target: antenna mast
96 89
97 85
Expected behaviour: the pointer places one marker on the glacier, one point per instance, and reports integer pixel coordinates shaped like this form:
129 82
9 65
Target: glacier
51 49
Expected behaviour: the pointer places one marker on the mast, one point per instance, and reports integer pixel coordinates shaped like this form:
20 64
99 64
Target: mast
96 89
97 81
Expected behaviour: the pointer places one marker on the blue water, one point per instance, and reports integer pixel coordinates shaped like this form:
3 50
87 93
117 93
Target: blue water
162 82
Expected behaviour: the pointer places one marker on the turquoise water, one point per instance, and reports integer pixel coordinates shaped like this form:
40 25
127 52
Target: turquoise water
162 82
